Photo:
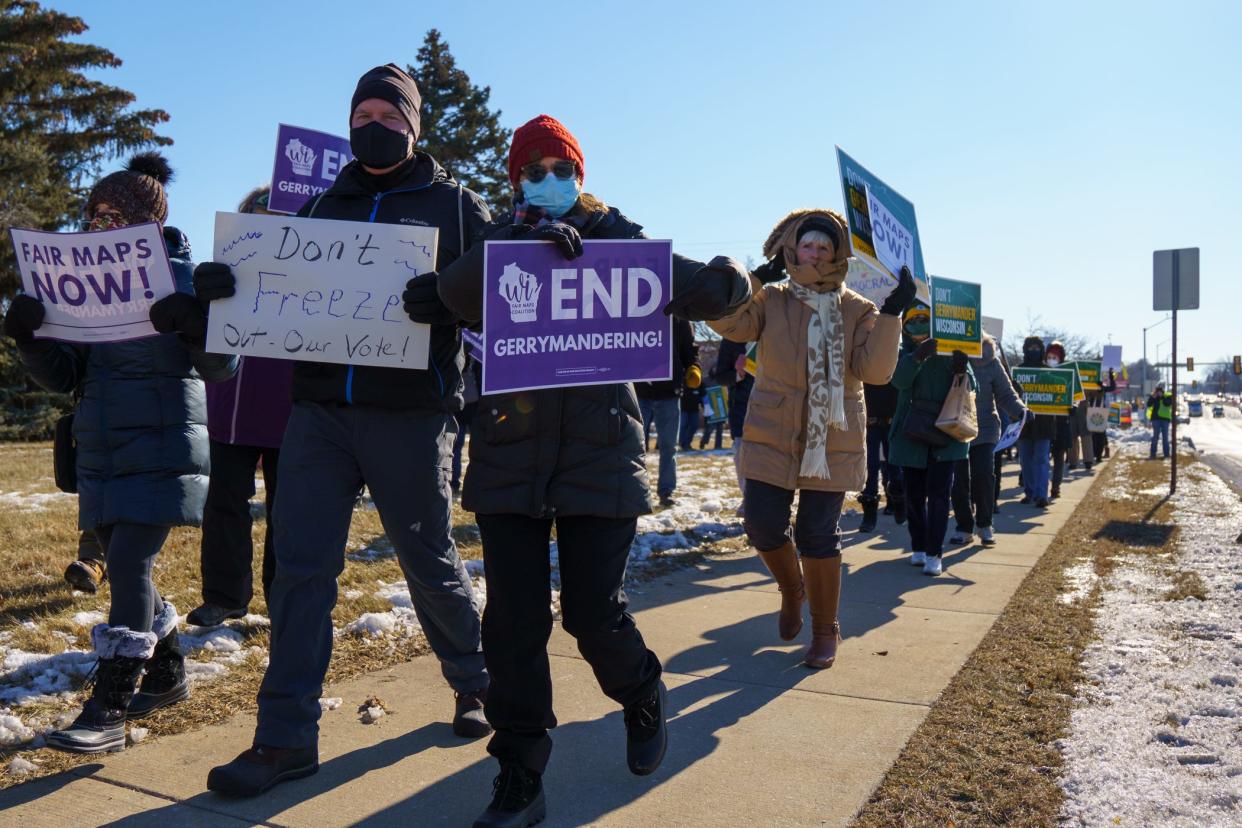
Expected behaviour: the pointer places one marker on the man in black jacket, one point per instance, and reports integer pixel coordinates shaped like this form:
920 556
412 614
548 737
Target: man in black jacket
387 428
660 404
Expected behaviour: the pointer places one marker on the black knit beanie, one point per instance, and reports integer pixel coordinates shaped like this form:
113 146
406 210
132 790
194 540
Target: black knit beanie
136 192
390 83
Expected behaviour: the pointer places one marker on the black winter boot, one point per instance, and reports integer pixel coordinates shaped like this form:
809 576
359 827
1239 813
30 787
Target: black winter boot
164 683
517 799
899 508
646 736
101 724
870 506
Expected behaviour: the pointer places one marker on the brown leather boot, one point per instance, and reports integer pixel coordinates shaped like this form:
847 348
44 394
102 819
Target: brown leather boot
823 589
782 562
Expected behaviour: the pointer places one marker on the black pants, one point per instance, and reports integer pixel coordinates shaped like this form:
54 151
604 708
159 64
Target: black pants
998 463
1059 449
227 550
927 504
464 418
130 549
517 621
817 531
974 488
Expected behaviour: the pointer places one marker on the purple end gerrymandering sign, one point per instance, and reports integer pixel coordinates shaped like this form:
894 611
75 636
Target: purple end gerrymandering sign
307 163
549 322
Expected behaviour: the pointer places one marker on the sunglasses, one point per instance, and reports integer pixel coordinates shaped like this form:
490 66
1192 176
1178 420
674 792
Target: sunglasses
564 170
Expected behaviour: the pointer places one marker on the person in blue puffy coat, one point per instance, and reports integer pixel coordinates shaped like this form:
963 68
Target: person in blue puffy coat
142 459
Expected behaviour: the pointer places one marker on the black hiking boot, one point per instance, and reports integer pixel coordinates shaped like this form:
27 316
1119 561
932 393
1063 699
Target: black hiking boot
870 507
261 768
469 721
899 509
646 737
100 727
164 683
517 799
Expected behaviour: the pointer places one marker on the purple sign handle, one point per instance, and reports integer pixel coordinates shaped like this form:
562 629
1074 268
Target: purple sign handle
598 319
307 163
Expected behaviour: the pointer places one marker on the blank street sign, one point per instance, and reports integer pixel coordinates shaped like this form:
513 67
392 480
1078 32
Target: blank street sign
1187 279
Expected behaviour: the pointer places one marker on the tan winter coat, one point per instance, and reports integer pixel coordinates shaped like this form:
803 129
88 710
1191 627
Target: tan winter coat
774 435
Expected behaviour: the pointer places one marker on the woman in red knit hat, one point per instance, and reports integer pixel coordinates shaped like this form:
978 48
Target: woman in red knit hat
592 489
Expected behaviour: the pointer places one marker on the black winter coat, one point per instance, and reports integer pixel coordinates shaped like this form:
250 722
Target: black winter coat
685 354
725 373
421 194
881 402
560 452
1040 426
141 425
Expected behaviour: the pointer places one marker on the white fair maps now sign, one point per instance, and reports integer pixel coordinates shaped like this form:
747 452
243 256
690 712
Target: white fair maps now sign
95 287
320 290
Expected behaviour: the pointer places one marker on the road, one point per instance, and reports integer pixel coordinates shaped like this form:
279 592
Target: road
1219 441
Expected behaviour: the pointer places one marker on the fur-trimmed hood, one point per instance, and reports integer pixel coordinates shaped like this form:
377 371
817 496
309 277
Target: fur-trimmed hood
783 240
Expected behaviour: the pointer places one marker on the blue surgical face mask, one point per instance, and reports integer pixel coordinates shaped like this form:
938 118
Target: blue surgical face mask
553 194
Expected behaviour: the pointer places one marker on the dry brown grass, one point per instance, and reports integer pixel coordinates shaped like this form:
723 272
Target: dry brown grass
986 753
37 544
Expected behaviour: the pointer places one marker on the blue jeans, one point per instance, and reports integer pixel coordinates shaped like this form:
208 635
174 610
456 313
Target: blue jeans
1159 430
689 427
666 414
1033 455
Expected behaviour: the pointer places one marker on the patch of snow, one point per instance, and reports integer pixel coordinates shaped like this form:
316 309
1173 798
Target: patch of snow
1080 579
33 501
137 734
212 639
1154 739
400 621
330 703
12 730
373 714
34 678
87 620
199 670
20 767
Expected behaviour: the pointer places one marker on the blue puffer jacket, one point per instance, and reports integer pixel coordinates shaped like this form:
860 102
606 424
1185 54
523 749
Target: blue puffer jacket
141 426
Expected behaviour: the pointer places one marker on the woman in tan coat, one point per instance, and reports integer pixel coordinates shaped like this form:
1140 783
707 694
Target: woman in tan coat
805 428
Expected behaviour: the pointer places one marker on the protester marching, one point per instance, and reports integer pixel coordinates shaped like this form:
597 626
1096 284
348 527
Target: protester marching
366 332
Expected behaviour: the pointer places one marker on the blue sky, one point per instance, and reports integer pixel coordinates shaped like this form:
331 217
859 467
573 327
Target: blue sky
1048 147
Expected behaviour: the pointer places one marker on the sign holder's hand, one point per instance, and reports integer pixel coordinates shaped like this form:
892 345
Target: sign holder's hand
182 314
901 297
24 317
564 236
772 271
926 349
422 302
212 281
960 361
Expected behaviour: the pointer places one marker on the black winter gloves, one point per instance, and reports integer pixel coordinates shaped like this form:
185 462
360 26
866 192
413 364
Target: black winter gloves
772 271
958 365
422 302
180 313
926 349
564 236
24 317
902 295
212 281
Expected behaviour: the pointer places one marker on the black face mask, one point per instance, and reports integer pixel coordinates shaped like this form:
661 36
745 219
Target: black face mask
377 146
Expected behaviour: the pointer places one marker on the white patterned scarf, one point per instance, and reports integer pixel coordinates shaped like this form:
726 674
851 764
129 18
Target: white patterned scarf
825 376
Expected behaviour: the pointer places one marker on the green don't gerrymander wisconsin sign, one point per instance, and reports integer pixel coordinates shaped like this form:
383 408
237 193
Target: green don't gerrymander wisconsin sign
1047 390
956 321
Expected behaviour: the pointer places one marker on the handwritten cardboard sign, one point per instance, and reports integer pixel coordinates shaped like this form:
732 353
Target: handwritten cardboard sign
883 229
320 290
548 322
307 163
95 287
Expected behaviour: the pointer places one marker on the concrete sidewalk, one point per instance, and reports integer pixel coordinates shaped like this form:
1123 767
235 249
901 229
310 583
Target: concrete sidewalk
754 736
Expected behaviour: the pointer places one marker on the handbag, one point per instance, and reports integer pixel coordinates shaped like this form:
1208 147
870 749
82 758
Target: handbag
1098 418
920 425
958 417
65 456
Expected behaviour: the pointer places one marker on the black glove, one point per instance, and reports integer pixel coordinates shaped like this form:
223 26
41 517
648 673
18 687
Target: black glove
212 281
958 366
24 317
925 350
422 301
180 313
706 297
566 238
772 271
902 295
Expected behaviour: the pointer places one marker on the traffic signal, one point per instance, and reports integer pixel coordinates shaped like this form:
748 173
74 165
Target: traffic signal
1190 364
1237 364
1194 385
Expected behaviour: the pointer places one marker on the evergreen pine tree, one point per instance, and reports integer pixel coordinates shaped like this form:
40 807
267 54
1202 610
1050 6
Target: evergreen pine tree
458 129
57 126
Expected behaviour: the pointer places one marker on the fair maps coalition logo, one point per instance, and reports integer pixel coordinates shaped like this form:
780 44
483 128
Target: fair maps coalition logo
300 156
521 290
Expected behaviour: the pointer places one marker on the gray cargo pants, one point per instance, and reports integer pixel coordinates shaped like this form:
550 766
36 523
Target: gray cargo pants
329 452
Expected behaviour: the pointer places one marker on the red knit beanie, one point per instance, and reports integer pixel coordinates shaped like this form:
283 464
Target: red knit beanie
538 138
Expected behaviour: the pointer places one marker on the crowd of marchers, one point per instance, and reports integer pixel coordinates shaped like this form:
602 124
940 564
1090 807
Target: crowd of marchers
835 398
